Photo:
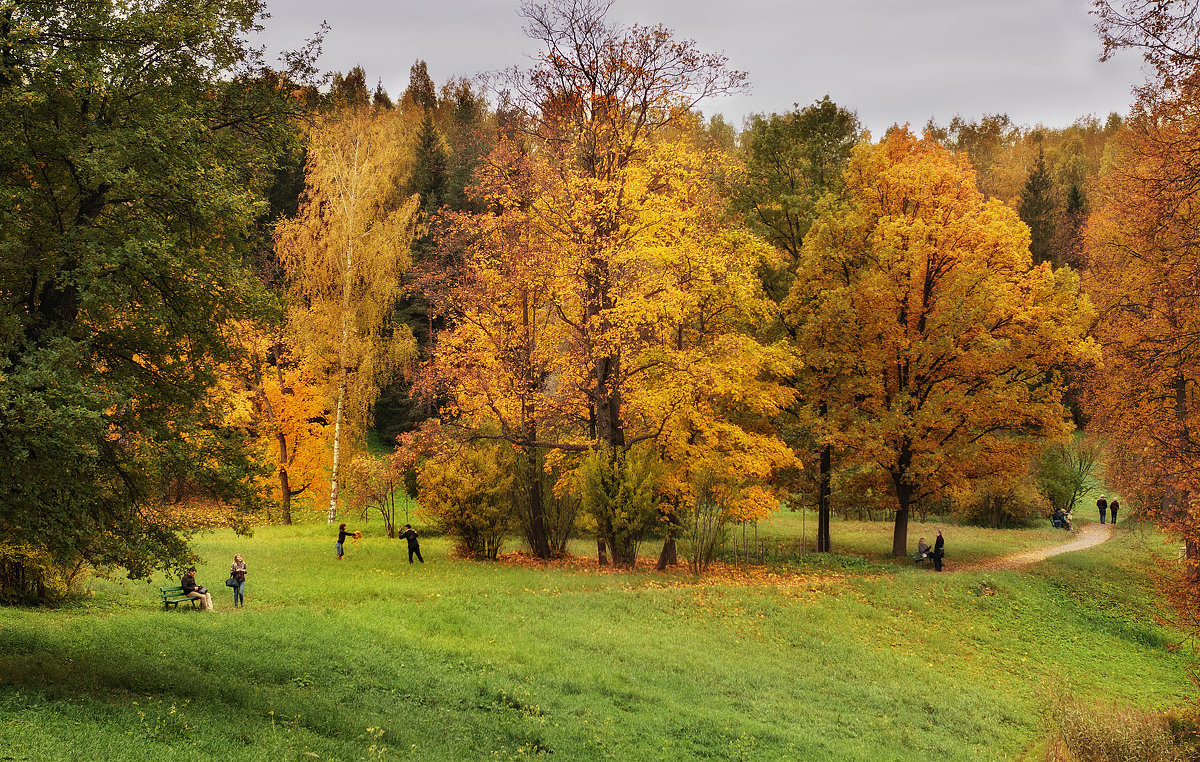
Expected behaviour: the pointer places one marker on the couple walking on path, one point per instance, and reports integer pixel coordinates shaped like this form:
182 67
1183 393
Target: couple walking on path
1103 505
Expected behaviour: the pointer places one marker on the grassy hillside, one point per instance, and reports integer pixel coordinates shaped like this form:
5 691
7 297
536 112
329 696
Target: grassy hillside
373 658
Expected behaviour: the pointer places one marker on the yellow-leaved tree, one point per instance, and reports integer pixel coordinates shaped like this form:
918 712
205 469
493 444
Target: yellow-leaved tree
927 332
345 252
603 301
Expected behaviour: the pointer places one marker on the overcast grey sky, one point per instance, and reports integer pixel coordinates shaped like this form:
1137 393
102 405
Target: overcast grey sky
891 61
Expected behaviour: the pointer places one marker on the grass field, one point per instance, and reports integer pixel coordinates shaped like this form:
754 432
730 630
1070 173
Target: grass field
851 658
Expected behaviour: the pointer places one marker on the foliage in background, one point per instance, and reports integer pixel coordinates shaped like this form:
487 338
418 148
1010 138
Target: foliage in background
1002 499
379 483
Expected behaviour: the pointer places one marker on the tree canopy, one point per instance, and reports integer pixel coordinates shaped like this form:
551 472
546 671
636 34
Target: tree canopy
917 302
135 143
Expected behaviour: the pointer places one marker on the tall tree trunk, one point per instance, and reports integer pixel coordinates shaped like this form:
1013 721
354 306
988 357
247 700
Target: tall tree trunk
824 495
343 354
669 555
609 431
341 401
1177 500
903 499
285 490
337 452
539 538
601 552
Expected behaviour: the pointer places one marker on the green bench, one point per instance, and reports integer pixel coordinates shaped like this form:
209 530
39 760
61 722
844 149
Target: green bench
173 596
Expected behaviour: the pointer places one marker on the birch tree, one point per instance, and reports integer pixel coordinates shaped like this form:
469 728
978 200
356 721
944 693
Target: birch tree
345 252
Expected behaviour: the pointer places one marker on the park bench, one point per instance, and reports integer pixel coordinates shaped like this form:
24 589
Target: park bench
173 596
919 559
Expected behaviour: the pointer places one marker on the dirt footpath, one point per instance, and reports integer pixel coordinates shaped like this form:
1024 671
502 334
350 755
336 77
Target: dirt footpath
1088 536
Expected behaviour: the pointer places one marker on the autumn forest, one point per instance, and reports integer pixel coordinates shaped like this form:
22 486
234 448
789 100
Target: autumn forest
564 301
568 311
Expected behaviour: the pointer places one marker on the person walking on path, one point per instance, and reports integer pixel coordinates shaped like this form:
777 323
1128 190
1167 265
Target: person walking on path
192 590
237 572
1102 504
414 547
341 542
939 550
1112 511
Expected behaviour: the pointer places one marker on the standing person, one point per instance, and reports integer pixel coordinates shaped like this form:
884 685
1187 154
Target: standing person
413 545
192 590
238 572
939 550
341 543
1112 510
1102 504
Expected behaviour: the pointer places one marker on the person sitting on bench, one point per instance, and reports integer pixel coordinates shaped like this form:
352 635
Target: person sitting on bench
192 590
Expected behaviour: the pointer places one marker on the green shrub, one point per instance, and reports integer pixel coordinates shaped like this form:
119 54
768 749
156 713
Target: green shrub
467 494
31 576
619 493
705 524
1064 471
1001 502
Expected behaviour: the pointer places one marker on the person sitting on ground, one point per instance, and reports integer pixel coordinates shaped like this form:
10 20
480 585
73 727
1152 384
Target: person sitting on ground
1059 519
192 590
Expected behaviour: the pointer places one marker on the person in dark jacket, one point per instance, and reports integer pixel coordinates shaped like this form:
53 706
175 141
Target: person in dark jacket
939 550
341 542
1102 505
192 590
1112 510
414 547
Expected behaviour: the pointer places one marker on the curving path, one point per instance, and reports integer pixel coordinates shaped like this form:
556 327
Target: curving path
1087 537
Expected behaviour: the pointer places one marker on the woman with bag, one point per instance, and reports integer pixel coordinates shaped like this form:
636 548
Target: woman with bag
237 580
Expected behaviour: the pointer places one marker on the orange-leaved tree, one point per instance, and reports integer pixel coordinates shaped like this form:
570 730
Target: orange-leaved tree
345 252
286 410
1143 269
1141 245
938 337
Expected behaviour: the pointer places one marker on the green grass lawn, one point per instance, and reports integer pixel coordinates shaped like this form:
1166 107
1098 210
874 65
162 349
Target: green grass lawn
453 660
